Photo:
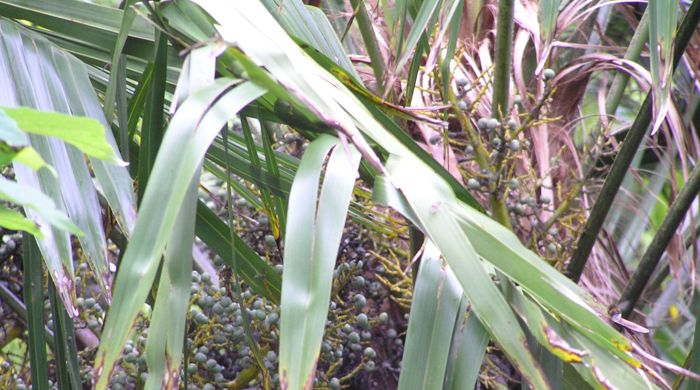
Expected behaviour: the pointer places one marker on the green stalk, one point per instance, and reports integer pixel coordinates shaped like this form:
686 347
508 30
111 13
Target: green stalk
658 245
503 54
622 162
365 25
501 89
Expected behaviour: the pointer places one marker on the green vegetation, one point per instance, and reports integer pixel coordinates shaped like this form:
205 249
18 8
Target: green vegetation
411 194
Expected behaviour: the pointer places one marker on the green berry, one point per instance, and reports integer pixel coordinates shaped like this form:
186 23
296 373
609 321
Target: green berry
383 317
548 74
512 124
496 141
191 368
210 364
462 105
369 366
362 321
326 346
200 357
492 123
334 384
93 324
201 318
131 357
270 242
517 99
482 123
279 268
358 282
360 301
347 328
391 333
369 353
461 82
90 303
354 337
469 149
206 278
473 184
272 318
545 199
519 209
514 145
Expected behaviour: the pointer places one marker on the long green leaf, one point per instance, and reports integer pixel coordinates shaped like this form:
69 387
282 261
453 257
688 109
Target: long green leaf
191 131
169 319
118 59
418 28
34 300
34 73
154 114
430 200
436 296
662 33
315 226
469 341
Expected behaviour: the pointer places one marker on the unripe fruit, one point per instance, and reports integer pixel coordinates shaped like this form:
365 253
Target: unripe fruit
548 74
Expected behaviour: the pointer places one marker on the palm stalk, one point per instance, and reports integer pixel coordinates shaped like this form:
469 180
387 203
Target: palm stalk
501 88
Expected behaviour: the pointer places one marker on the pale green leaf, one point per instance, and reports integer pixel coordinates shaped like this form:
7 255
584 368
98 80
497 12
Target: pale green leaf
86 134
14 220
